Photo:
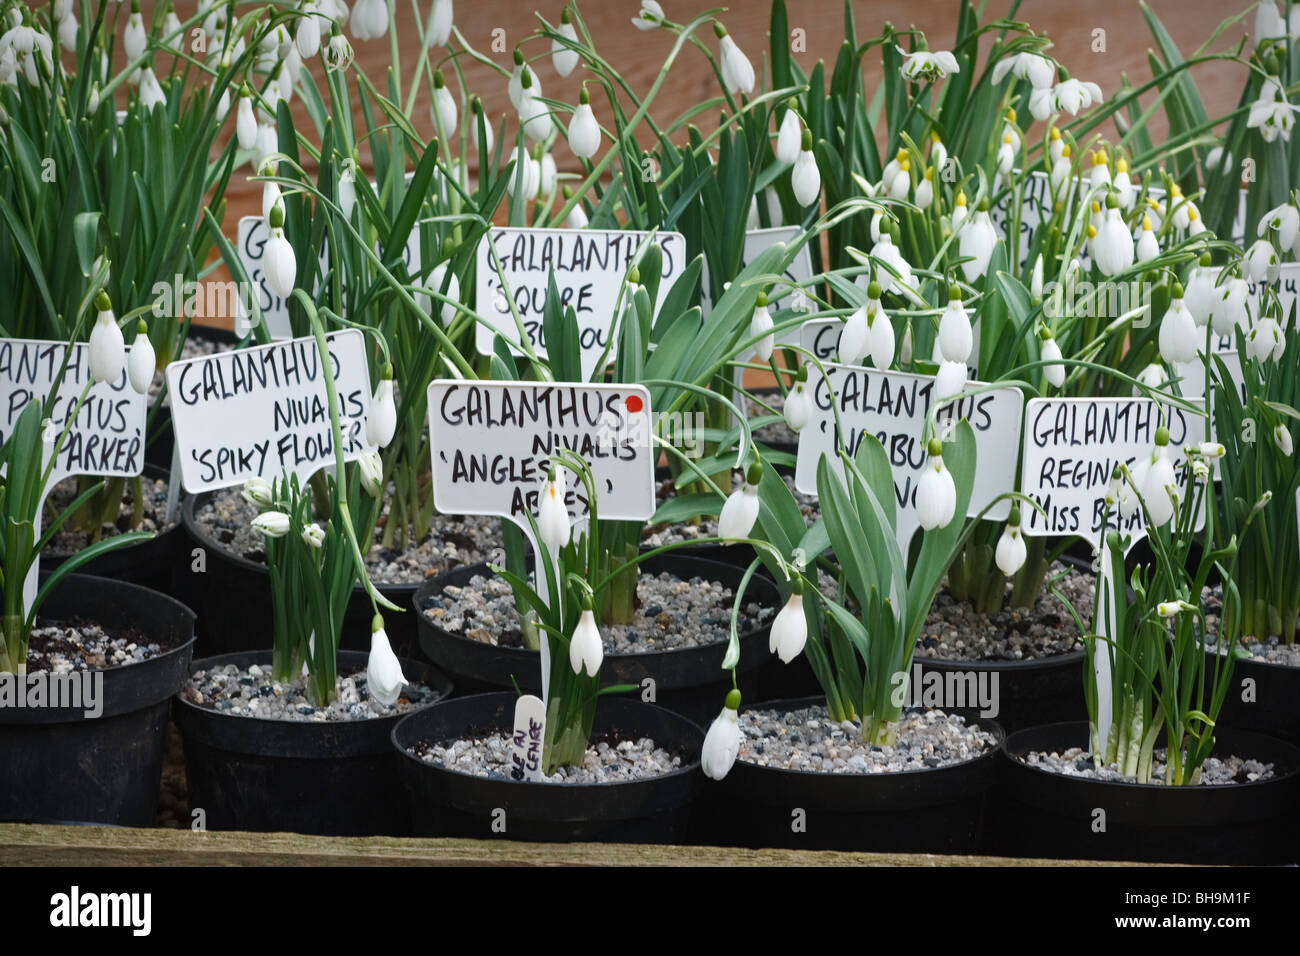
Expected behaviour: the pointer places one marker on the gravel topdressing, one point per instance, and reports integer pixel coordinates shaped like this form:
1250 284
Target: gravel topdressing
65 647
453 540
71 540
1216 771
1273 651
672 614
807 739
250 692
607 761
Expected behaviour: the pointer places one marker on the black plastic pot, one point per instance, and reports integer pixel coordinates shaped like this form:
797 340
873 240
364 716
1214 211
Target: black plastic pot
161 440
451 803
60 764
1043 814
154 564
331 778
233 598
1275 707
688 680
936 810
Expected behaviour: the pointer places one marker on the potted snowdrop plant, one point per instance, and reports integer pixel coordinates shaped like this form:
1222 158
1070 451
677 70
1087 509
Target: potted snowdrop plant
307 717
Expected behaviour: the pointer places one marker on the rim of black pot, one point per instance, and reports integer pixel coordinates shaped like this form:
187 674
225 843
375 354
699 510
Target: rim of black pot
684 770
987 724
1253 661
1070 730
442 686
152 471
194 528
759 579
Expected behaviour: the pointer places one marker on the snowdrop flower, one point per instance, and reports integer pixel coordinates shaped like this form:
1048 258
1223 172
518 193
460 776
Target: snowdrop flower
1050 351
887 253
1271 114
955 338
586 649
534 115
564 58
1042 104
651 16
1113 249
977 242
798 403
1158 487
936 493
443 109
1072 95
789 631
307 35
1011 551
1229 305
1039 70
67 24
280 263
370 469
1200 292
1285 219
1178 336
722 742
761 325
151 93
267 143
1269 24
515 86
290 72
338 53
1153 377
959 211
584 131
1282 438
107 345
1123 184
1006 158
805 178
925 189
258 491
134 39
950 379
246 120
381 417
348 187
440 22
29 47
273 524
527 178
369 19
476 108
1168 609
1036 280
1060 177
1262 262
552 513
142 362
313 535
271 195
789 137
924 65
1100 174
577 218
737 71
853 337
1147 246
880 331
1265 340
938 151
436 278
384 678
740 510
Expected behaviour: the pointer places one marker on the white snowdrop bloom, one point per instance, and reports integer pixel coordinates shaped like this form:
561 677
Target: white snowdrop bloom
740 510
271 195
313 536
1262 261
722 742
489 137
1039 70
925 190
789 137
1123 183
1265 340
448 311
789 631
134 38
938 151
1285 219
258 491
887 253
1050 351
760 326
955 338
534 115
381 416
1147 246
1200 292
1099 175
266 145
1011 550
142 362
1229 305
977 241
279 262
586 649
1006 157
1195 224
950 379
384 678
651 16
443 110
1271 114
1282 438
369 19
370 469
1042 104
246 120
924 65
151 92
584 131
853 337
1178 335
880 333
936 493
1113 249
737 71
577 218
107 344
1153 377
798 403
1036 280
805 178
959 212
440 23
549 174
515 85
347 188
1269 24
1159 485
552 513
308 33
1073 95
32 52
1061 175
564 58
273 524
67 32
527 178
290 72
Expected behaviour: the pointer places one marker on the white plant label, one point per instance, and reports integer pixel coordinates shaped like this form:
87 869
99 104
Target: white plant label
590 266
107 436
893 406
527 739
799 272
263 411
822 338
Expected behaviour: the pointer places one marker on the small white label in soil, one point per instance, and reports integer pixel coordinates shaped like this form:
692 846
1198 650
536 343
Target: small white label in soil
527 739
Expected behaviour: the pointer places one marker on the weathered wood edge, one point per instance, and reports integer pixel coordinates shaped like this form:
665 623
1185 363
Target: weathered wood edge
39 845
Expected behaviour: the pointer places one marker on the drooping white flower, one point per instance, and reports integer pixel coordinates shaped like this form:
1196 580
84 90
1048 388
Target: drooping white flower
273 524
526 179
1153 377
381 417
1229 305
853 337
271 195
443 110
1036 280
955 338
384 678
134 39
1042 104
925 189
760 327
515 85
1262 261
1271 114
1011 551
246 120
369 19
1100 173
1158 487
740 510
290 73
722 742
534 115
1178 335
107 344
267 143
1050 351
880 332
448 311
1123 183
577 217
1073 95
1006 157
1060 177
440 23
279 262
977 241
151 92
1269 24
798 403
924 65
1265 340
805 178
651 16
1113 249
887 253
1168 609
32 52
1039 70
737 71
143 361
258 491
584 131
1147 245
1282 438
789 631
552 513
950 379
959 212
789 137
936 493
347 187
1285 219
313 535
586 649
338 53
308 34
564 58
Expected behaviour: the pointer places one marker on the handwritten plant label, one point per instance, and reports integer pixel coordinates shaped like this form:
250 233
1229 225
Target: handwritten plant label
590 266
526 741
800 271
892 406
1073 444
492 444
252 237
259 412
107 437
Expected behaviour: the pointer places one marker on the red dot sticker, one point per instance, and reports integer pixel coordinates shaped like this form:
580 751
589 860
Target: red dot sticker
633 403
